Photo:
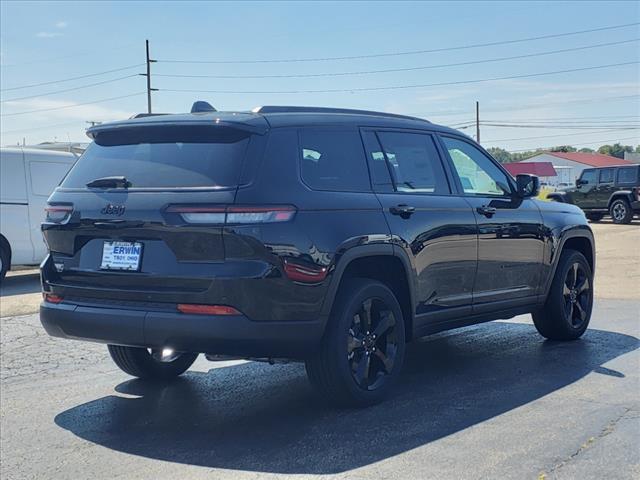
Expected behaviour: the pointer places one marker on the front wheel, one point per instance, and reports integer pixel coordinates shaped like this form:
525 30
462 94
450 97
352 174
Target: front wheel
620 211
151 364
363 347
4 263
567 310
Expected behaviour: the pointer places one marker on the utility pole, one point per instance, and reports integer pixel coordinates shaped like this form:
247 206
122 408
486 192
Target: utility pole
477 121
148 75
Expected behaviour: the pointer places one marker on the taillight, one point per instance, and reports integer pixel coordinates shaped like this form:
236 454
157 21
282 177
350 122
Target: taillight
52 298
207 309
58 213
234 215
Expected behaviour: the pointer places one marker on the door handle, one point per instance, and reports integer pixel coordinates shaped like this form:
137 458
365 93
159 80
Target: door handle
486 211
403 210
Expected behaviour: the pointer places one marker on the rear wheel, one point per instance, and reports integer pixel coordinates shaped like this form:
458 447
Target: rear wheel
620 211
567 311
151 364
363 348
4 262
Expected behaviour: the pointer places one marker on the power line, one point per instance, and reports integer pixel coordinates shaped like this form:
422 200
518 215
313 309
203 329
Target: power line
601 142
71 106
410 52
579 118
530 106
395 70
561 127
398 87
42 127
556 136
77 54
72 78
80 87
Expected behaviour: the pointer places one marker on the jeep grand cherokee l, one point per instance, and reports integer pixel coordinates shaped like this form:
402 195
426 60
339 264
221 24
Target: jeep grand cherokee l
328 236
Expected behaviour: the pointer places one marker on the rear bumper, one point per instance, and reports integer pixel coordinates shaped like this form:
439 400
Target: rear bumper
227 335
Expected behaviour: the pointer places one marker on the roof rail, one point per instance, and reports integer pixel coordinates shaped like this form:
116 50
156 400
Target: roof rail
142 115
298 109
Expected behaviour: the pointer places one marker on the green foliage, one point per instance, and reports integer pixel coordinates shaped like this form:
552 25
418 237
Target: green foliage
563 148
616 150
503 156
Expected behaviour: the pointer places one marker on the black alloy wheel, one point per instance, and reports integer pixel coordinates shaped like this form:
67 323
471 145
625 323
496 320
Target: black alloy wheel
577 295
372 343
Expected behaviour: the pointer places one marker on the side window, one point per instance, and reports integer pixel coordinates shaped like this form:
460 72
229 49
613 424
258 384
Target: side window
477 172
380 175
414 162
606 175
332 159
588 177
628 175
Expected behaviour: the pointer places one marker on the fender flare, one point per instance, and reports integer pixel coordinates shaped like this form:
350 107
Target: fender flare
361 251
573 231
626 194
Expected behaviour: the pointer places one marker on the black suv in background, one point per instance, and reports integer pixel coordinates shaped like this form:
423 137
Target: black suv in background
598 191
328 236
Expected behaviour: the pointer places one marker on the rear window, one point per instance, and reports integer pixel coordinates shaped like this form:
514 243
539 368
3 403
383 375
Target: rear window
628 175
164 157
333 159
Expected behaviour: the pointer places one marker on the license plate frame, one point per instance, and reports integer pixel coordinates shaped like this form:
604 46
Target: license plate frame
127 260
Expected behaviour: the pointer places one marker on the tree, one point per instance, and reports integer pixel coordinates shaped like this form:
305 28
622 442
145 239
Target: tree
563 148
500 154
616 150
586 150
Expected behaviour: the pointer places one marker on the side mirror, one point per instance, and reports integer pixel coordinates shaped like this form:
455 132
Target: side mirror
527 185
580 182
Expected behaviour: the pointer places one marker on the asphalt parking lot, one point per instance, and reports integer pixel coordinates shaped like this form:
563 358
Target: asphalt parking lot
489 401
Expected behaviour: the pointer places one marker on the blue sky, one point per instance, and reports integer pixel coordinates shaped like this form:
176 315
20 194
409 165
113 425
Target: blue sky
47 41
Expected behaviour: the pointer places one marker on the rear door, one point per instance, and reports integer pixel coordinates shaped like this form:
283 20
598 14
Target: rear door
605 188
437 230
160 235
14 206
44 173
510 229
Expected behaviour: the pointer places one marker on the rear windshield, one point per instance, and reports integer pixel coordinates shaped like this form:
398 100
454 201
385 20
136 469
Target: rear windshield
164 157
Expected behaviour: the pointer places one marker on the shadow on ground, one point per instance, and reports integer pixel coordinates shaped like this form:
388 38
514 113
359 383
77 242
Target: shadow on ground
20 284
255 417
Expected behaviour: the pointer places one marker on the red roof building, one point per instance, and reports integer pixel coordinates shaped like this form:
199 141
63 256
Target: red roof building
541 169
591 159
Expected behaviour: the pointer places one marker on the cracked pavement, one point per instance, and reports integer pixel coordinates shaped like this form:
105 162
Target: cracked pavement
489 401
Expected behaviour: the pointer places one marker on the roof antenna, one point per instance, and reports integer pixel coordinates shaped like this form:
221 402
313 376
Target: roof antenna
202 107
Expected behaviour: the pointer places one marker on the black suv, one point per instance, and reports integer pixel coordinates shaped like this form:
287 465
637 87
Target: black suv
612 190
324 235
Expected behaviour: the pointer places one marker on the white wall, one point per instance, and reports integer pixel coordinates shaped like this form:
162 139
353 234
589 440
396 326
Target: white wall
575 168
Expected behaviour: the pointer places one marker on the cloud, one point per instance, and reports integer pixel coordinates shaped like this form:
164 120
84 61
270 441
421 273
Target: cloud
48 34
62 24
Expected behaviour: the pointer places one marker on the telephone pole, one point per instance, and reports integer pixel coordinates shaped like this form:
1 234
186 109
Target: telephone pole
148 75
477 121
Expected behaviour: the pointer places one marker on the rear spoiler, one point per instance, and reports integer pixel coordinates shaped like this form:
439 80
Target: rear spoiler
140 122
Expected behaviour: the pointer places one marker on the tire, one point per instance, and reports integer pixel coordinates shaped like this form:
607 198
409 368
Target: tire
361 354
595 217
4 263
620 211
139 362
567 310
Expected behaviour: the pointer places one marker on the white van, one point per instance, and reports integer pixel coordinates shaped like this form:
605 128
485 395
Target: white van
27 178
